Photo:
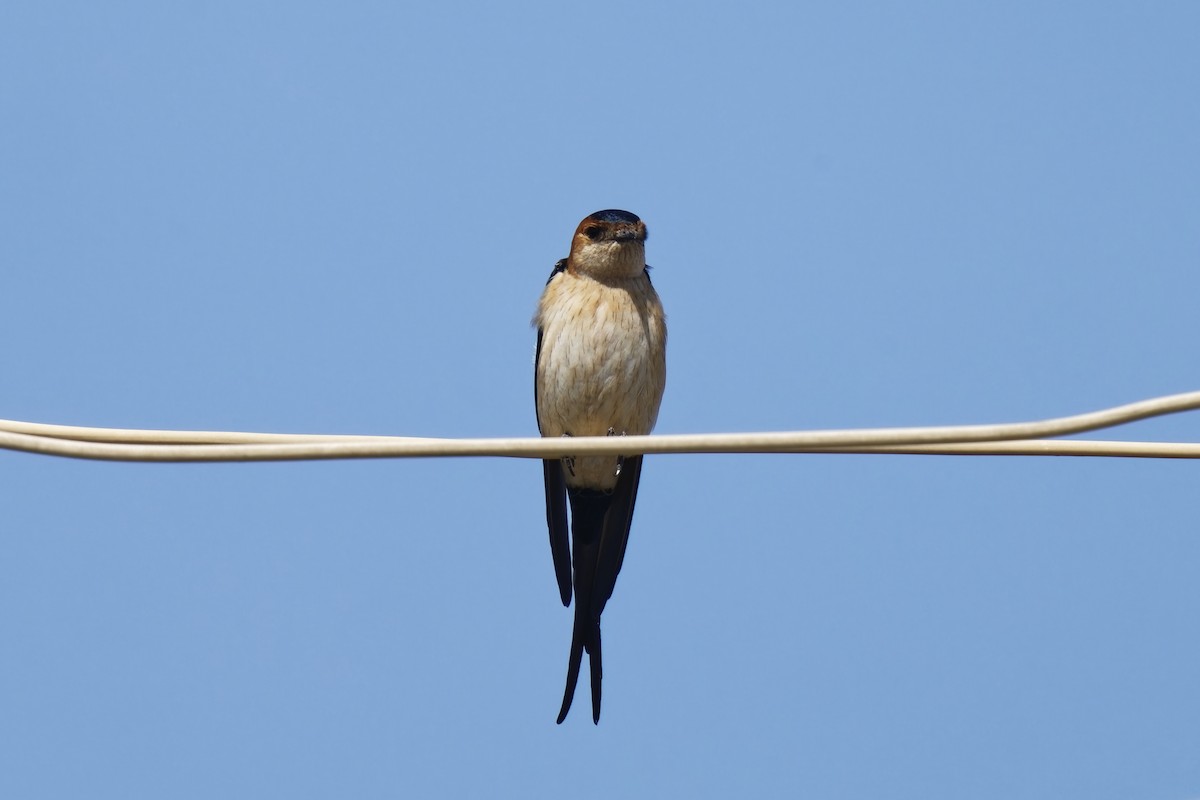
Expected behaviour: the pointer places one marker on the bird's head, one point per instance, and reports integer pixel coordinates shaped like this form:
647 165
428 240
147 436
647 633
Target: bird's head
609 244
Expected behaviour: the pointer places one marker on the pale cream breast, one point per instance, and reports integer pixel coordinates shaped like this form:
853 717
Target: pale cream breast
602 363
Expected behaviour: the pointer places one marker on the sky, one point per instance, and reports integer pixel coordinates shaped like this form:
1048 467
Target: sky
337 218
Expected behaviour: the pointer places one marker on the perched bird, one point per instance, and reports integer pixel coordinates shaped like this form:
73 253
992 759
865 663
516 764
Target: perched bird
600 370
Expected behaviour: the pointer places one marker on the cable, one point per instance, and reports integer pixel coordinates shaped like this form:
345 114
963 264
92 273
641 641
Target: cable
1019 438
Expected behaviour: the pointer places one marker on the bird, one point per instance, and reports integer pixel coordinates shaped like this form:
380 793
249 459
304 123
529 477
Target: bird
599 370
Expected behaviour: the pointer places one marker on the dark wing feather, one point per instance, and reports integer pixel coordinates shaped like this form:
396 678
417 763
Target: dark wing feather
556 490
556 521
615 536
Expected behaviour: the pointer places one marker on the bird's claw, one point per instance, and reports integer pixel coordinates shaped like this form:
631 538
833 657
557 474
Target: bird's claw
620 459
569 461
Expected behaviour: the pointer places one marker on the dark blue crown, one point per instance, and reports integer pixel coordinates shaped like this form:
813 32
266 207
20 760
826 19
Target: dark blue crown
614 215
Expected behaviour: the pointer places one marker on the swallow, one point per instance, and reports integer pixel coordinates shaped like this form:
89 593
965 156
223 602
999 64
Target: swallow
599 370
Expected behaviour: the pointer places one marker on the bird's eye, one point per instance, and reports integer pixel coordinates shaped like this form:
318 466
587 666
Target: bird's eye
592 232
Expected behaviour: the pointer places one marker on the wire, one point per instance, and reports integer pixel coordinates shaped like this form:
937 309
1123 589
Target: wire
1018 438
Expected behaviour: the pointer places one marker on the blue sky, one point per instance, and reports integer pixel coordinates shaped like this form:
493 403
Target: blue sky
337 218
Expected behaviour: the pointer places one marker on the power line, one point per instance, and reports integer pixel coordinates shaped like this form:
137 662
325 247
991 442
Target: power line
1017 438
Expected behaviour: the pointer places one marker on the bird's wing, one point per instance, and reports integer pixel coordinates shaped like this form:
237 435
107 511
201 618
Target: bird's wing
556 521
615 535
556 489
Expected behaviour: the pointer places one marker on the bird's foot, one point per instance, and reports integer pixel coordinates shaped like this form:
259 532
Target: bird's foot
568 462
620 459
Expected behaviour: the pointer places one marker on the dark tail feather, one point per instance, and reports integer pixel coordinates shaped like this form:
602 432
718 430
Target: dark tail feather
588 509
597 671
585 636
573 665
